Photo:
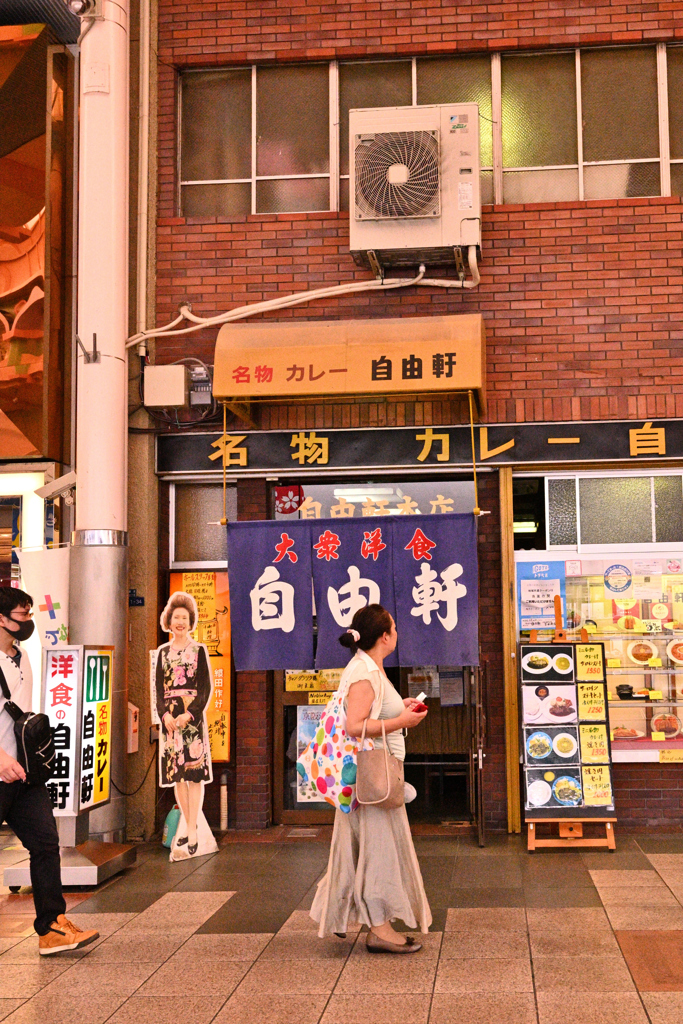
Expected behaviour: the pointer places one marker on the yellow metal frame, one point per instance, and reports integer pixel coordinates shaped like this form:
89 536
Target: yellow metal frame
507 559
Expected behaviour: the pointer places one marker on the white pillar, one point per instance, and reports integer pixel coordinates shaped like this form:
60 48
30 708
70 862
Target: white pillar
103 267
98 603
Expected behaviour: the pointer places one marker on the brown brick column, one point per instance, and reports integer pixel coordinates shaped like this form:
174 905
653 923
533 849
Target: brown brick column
253 706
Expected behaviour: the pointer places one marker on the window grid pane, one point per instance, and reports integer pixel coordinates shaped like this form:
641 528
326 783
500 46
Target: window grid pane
216 125
668 509
561 512
539 110
619 98
674 61
292 120
197 505
616 510
381 84
460 80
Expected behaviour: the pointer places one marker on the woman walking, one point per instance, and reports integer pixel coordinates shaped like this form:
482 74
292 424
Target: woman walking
373 876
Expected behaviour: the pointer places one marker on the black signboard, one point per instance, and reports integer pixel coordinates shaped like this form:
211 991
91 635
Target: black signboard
291 451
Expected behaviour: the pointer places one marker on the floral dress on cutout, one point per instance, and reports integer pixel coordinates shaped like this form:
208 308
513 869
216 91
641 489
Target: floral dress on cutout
183 683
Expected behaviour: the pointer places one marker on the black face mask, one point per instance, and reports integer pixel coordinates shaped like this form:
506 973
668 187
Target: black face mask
24 630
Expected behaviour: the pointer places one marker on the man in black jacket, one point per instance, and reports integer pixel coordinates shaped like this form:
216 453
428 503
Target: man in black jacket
27 808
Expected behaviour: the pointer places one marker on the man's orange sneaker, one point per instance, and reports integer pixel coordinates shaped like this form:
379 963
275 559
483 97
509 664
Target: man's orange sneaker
64 935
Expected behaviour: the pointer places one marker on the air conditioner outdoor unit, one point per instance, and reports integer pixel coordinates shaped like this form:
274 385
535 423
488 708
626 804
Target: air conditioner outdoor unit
414 185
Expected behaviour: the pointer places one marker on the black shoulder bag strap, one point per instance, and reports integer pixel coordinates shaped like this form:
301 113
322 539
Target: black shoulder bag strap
10 707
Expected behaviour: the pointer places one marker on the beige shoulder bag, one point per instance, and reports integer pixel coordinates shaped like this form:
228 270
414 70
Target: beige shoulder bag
379 780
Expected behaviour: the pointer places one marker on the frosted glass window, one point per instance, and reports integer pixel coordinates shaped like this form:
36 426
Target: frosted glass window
460 80
539 110
619 97
561 512
555 186
197 505
616 510
619 181
216 125
216 200
292 120
674 63
292 195
384 84
668 509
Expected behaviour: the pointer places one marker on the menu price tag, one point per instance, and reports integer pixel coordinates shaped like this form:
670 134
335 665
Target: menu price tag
613 663
320 697
594 745
597 785
589 663
591 702
656 695
670 755
658 737
654 662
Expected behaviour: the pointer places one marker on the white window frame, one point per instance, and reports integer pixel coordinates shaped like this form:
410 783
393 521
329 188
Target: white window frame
586 549
497 169
176 565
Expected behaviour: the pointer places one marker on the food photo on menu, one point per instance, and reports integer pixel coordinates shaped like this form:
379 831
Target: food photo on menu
551 745
556 663
558 787
548 704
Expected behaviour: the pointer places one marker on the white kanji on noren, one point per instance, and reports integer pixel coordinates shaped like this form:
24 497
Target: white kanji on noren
344 610
272 602
430 594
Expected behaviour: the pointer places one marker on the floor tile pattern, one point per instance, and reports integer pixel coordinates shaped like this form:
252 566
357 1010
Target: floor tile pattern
557 937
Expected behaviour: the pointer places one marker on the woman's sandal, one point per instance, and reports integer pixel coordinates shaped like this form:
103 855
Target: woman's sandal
376 945
192 849
182 842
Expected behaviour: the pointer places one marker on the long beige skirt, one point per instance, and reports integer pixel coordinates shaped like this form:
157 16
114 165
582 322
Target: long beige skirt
372 875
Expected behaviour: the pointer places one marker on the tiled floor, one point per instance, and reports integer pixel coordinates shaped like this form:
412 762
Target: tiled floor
557 937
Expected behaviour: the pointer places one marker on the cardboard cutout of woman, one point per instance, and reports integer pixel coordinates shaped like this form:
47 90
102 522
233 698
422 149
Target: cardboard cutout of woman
183 690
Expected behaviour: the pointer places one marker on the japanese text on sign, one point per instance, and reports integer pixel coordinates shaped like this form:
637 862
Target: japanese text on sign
60 704
594 744
597 785
589 665
591 702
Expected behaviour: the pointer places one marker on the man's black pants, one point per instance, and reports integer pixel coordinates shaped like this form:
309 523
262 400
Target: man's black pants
28 812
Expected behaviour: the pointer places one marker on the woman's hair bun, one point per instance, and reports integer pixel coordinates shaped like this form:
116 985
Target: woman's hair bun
369 624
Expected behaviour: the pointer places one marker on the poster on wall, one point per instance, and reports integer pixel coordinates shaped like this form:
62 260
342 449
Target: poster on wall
210 591
182 694
565 738
307 722
538 584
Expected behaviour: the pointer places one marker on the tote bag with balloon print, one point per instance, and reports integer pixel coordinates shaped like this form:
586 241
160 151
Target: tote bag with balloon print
328 764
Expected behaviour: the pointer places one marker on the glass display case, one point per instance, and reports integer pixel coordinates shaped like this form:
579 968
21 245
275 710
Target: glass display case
634 604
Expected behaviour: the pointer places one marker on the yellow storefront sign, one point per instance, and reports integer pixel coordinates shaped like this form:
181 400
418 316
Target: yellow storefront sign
102 752
594 745
337 357
589 663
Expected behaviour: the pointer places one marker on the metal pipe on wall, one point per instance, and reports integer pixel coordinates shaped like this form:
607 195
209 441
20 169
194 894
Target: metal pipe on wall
98 610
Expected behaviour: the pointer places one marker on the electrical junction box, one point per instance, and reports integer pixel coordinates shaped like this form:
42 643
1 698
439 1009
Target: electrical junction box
166 387
133 729
414 184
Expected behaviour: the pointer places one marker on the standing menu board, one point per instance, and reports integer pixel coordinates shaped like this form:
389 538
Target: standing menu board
564 734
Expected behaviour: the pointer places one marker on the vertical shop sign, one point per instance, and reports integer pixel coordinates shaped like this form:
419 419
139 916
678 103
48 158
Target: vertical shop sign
95 757
45 574
352 567
269 565
436 589
60 701
210 591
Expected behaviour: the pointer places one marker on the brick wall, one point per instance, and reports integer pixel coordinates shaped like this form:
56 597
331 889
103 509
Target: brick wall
236 31
649 796
253 707
583 304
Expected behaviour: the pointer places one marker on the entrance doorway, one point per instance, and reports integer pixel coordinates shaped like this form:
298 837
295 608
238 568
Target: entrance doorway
444 756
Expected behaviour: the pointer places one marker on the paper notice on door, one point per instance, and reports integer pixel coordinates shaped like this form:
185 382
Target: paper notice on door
451 684
423 679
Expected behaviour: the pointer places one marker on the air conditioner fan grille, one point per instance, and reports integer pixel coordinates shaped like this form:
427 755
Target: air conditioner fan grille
417 155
